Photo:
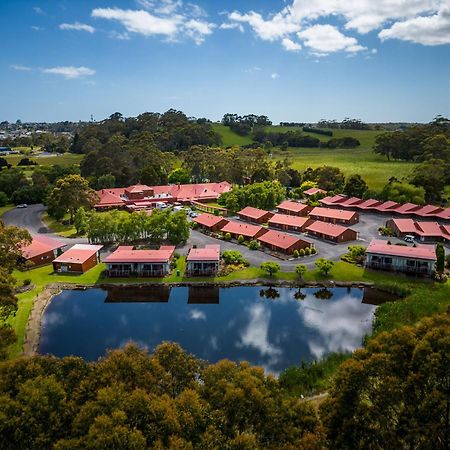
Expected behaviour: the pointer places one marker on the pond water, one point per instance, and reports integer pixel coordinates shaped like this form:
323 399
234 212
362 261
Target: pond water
271 327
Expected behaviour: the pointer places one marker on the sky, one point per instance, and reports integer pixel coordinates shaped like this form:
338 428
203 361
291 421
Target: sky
293 60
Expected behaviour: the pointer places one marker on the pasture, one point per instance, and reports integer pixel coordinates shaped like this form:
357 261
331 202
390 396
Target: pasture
65 159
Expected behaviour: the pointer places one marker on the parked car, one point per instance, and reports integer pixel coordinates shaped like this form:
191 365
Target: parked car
193 214
22 205
409 238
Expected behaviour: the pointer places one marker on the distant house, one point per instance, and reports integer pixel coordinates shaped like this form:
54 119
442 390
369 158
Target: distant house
418 260
78 259
289 223
331 232
293 208
128 262
210 222
314 191
42 250
339 216
282 242
255 215
249 232
424 231
203 261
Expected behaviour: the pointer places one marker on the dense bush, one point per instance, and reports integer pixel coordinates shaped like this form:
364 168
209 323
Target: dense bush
234 257
318 131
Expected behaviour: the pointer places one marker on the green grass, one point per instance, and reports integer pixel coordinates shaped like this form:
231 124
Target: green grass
6 208
59 228
62 160
230 138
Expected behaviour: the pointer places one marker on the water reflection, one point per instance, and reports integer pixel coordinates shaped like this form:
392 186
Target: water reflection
269 327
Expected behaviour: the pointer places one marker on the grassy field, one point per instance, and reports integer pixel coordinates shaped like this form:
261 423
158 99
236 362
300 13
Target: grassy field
62 160
42 276
230 138
59 228
5 208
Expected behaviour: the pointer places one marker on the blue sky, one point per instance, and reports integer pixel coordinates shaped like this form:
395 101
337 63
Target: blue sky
293 60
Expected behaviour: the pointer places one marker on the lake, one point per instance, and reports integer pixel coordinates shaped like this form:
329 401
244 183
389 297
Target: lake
270 327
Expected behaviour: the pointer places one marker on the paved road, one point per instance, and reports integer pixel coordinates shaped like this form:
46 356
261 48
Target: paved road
30 218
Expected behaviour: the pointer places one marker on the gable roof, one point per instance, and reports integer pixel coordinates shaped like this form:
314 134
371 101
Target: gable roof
290 205
127 254
40 245
79 253
329 229
279 239
314 191
253 213
332 200
238 228
427 252
208 253
332 213
208 220
289 220
387 206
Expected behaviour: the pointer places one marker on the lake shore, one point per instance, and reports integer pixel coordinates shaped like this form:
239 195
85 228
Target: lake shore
43 299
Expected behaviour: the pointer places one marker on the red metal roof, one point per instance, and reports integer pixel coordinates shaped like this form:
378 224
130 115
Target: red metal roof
387 206
428 210
370 203
79 253
407 208
286 219
427 252
350 202
40 245
208 220
329 229
332 200
279 239
314 191
208 253
109 198
127 255
444 214
238 228
253 213
405 225
290 205
332 213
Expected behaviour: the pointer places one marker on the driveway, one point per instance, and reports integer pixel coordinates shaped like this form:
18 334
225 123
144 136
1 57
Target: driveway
30 218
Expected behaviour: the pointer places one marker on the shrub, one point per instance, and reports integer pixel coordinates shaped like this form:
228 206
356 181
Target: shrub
295 254
300 270
240 239
307 251
234 257
194 225
176 255
313 250
227 237
253 245
301 252
26 282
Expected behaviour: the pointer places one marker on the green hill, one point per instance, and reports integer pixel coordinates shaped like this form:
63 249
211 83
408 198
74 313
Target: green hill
230 138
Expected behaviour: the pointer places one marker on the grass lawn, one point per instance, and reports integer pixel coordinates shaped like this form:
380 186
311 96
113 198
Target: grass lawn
6 208
62 160
59 228
230 138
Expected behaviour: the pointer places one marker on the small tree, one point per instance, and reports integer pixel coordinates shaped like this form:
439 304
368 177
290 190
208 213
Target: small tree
241 239
270 267
440 258
253 245
302 252
313 250
307 251
80 220
300 270
227 237
324 266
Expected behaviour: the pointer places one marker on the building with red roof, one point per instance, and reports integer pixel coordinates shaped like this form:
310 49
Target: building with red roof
418 260
278 241
331 232
203 261
78 259
249 232
428 211
333 201
407 209
210 222
314 191
255 215
386 207
350 203
424 231
289 223
334 215
42 250
126 261
293 208
368 205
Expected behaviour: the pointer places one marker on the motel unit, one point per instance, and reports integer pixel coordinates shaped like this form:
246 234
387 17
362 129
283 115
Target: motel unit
292 208
418 260
330 215
203 261
282 242
314 191
78 259
210 222
254 215
42 250
126 261
331 232
249 232
424 231
290 223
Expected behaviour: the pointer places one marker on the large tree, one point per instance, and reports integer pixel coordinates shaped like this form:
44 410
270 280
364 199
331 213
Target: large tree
69 194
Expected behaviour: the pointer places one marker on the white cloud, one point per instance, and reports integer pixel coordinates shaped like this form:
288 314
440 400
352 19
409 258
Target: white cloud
425 22
430 30
77 26
274 76
35 28
20 68
290 45
38 10
328 39
232 26
170 21
69 72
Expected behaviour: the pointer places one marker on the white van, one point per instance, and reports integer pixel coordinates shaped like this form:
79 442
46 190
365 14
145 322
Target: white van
409 238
